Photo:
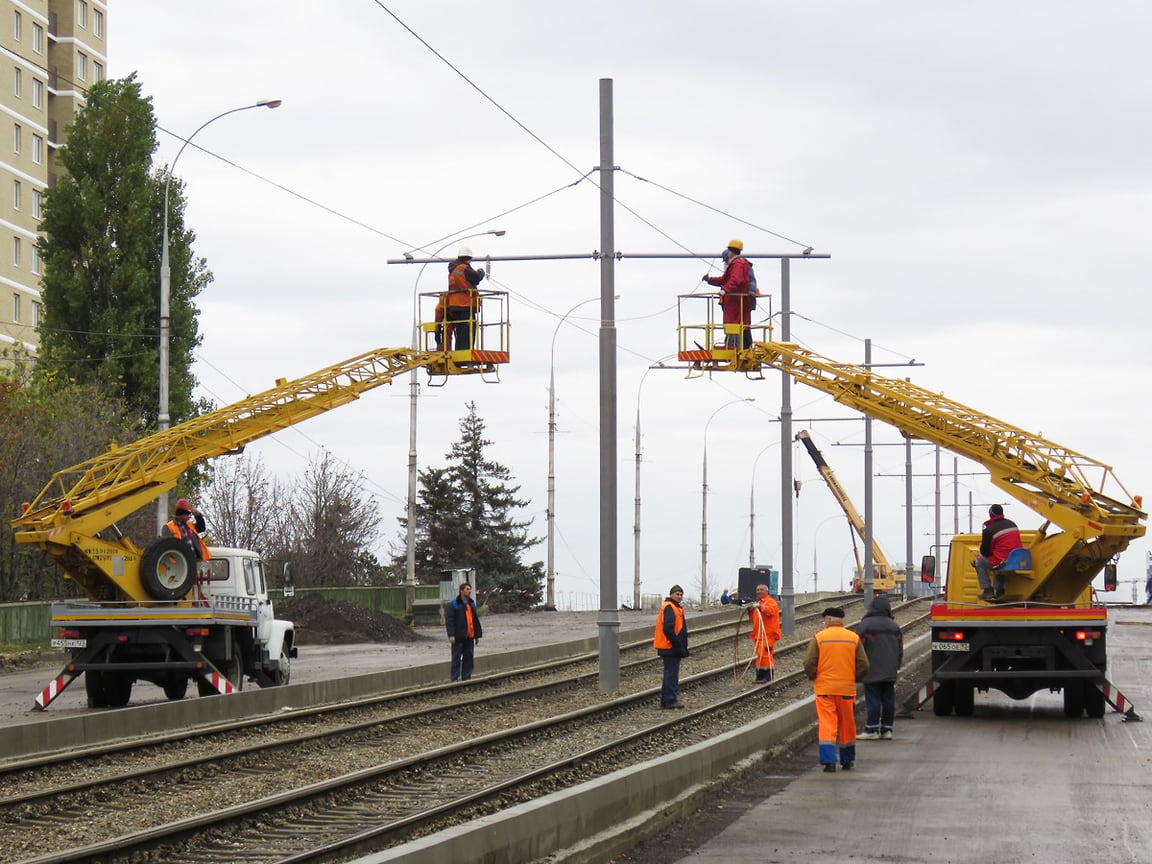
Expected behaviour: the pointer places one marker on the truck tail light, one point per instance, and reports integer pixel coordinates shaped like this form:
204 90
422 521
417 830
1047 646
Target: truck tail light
121 638
1087 635
68 634
197 631
950 636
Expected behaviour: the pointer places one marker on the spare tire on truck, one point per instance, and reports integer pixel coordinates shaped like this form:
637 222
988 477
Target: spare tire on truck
168 569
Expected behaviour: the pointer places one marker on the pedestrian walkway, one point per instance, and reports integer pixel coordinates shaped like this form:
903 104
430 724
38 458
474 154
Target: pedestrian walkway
1016 782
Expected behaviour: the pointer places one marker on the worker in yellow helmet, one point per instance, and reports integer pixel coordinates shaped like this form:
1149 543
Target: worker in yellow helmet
734 299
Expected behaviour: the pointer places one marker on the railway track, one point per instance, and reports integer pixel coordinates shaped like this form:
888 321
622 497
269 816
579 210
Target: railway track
386 780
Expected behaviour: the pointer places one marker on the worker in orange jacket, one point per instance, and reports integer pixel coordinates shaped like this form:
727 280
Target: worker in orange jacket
671 643
834 662
188 524
765 633
463 299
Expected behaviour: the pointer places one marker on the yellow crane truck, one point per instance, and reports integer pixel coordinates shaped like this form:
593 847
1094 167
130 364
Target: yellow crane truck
1048 632
154 613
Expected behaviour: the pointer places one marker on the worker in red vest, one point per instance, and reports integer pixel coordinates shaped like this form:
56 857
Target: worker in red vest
834 662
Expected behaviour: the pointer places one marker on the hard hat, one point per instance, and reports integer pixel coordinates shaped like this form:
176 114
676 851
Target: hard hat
184 504
464 252
738 245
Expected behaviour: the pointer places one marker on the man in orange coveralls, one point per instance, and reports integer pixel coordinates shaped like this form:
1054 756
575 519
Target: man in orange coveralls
834 662
765 633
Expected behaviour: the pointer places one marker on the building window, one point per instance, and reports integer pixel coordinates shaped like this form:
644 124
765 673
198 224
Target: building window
15 194
16 251
37 38
97 23
16 138
81 13
81 65
35 203
37 149
35 314
35 266
17 26
37 93
97 71
16 308
18 82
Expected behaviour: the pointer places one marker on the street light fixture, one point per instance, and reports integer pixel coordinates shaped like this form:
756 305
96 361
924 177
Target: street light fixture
659 364
704 504
550 597
163 421
752 507
413 398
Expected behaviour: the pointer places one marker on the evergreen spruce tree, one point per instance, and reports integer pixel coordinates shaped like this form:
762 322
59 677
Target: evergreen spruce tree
466 517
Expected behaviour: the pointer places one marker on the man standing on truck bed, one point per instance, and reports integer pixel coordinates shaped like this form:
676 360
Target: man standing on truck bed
188 525
1000 537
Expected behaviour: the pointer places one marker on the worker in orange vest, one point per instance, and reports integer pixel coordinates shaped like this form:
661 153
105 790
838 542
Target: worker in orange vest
765 633
671 643
188 524
834 662
463 299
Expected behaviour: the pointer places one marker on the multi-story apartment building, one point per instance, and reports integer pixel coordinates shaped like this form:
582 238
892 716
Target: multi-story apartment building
51 51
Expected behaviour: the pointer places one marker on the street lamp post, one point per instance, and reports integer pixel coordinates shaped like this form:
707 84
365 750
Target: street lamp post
413 398
659 364
752 507
704 504
550 599
163 421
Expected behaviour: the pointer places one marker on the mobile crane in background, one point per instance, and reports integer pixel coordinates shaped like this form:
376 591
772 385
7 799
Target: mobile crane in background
154 613
1049 632
883 577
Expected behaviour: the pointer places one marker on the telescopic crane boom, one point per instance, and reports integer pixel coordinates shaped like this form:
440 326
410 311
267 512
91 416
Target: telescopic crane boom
883 579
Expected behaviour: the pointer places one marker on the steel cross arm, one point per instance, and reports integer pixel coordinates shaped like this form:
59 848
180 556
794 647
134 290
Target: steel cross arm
595 256
146 467
1022 464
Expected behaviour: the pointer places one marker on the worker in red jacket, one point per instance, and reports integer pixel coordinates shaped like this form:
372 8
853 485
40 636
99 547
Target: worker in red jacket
734 298
999 538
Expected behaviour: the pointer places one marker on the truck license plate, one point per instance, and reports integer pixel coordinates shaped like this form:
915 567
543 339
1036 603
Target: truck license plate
69 643
949 646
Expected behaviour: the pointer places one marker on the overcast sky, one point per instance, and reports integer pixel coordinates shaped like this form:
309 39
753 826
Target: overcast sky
978 173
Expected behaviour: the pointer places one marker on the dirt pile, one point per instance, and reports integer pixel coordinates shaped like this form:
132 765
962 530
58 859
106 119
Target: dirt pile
319 621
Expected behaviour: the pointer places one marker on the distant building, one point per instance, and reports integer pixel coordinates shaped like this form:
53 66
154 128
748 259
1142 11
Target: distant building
51 52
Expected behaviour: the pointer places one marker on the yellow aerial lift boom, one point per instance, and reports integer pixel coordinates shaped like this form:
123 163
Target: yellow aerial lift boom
68 516
1048 632
882 577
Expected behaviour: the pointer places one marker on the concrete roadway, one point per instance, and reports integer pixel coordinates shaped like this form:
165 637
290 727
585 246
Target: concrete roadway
1016 782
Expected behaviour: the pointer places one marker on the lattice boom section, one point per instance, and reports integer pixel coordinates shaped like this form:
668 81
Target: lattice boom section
1012 453
163 456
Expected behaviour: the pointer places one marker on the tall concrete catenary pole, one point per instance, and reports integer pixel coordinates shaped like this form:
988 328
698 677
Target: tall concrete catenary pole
869 563
609 622
787 591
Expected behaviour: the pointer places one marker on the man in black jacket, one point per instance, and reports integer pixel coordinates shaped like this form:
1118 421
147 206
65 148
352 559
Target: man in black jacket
464 631
884 644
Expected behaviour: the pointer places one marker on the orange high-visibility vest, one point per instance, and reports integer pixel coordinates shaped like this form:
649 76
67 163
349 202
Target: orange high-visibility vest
836 670
661 641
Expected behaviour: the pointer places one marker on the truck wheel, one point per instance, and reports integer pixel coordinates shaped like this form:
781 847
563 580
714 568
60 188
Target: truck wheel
118 688
1073 699
963 699
942 700
168 569
234 670
283 672
1094 702
176 689
94 688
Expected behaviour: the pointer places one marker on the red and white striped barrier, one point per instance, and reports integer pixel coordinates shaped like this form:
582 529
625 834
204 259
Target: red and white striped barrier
54 689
